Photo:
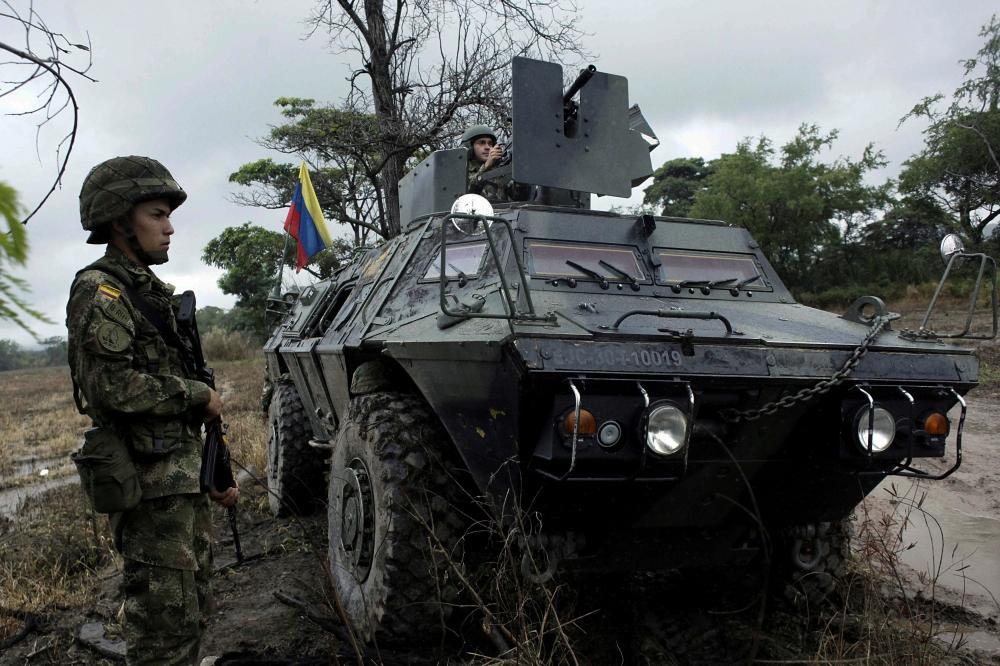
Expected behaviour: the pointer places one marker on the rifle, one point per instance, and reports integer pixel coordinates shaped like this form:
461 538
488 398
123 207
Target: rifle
216 466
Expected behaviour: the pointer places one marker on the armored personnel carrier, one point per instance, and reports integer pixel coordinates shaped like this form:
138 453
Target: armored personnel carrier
646 385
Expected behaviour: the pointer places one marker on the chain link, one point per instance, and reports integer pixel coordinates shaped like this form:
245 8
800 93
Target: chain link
771 408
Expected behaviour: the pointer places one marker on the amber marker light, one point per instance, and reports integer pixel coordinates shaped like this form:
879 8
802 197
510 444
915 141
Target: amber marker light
588 424
936 424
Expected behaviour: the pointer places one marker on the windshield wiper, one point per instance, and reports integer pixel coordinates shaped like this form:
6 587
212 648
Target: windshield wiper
631 280
462 279
603 281
715 284
745 282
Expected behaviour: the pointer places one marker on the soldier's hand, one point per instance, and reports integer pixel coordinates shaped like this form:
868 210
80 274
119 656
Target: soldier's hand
214 406
226 498
496 152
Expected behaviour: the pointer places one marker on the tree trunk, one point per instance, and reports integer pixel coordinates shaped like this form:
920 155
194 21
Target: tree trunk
386 113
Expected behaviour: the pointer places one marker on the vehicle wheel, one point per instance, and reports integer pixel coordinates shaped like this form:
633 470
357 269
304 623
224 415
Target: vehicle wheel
814 560
390 488
294 469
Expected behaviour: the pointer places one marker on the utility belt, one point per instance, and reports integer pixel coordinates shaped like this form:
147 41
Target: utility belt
106 461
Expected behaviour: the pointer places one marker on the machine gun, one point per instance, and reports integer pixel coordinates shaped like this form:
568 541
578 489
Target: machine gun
570 108
216 466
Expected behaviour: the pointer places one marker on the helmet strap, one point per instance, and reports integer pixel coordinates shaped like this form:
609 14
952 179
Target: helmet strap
149 258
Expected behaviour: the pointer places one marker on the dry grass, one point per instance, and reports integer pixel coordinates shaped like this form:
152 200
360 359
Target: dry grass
39 424
241 383
882 619
50 556
220 346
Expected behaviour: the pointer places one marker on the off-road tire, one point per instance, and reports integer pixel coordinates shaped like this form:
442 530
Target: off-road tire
294 469
391 486
812 588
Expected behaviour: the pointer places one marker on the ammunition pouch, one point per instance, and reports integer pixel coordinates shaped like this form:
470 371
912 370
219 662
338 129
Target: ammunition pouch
150 439
107 474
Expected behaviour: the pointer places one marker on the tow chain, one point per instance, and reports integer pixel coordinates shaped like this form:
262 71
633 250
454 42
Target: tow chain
808 393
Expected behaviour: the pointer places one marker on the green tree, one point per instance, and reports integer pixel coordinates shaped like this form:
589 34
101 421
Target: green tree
210 317
13 252
798 208
10 355
675 185
250 256
343 173
55 351
959 169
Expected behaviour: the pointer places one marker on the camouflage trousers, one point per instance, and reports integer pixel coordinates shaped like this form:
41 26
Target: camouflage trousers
166 543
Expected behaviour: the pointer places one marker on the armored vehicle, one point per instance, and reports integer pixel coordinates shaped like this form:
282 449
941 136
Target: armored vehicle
647 386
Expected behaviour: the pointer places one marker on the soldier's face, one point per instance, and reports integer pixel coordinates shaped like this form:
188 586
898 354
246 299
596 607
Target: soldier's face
152 228
481 147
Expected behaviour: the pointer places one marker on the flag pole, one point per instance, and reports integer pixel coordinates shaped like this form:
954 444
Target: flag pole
275 294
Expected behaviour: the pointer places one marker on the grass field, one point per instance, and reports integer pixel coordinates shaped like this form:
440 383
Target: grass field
51 555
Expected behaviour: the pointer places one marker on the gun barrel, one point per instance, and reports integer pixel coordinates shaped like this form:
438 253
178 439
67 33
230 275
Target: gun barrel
580 82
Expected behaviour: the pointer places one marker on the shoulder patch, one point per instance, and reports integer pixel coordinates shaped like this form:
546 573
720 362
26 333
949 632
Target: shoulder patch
117 312
113 337
108 292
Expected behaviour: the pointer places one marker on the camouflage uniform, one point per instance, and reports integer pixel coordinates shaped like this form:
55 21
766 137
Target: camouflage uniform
475 183
130 380
492 190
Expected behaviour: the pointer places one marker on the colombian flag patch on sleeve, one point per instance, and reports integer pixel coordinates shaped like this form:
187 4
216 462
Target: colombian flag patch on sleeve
109 292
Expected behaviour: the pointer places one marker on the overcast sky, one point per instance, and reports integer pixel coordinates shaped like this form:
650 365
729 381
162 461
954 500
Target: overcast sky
193 83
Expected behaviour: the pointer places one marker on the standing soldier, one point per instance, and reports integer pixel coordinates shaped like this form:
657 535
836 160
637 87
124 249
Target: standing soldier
131 375
484 153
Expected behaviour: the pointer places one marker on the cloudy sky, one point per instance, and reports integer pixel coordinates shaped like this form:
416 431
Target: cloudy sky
192 84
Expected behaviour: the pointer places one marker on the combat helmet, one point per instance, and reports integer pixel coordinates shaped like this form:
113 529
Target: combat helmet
474 132
114 186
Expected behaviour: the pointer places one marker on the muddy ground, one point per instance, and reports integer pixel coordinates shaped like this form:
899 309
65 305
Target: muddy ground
272 608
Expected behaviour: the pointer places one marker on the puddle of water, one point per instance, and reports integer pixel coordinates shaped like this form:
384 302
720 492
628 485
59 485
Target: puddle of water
974 639
959 549
11 499
32 467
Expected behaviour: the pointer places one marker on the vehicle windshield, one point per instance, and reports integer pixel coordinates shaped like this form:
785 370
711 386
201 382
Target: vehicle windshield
688 266
614 263
462 260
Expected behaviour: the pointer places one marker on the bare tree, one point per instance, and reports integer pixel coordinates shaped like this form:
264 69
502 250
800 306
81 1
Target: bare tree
42 59
38 67
426 67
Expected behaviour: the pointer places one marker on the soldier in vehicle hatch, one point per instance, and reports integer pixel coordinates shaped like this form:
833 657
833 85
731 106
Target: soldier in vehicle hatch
484 154
140 462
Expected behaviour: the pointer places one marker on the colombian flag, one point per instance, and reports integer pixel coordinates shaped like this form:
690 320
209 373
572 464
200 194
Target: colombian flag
305 221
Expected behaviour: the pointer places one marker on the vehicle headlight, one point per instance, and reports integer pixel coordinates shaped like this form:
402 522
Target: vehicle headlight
666 430
883 428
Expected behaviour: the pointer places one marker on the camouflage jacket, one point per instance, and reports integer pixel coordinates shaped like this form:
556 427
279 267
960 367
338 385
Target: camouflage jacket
129 379
476 184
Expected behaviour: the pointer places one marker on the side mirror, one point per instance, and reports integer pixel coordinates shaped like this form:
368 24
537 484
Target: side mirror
471 204
951 244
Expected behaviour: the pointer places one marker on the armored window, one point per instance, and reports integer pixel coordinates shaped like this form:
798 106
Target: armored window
690 266
549 259
465 259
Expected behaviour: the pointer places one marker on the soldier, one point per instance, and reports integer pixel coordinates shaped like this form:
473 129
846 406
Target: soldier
130 376
481 142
